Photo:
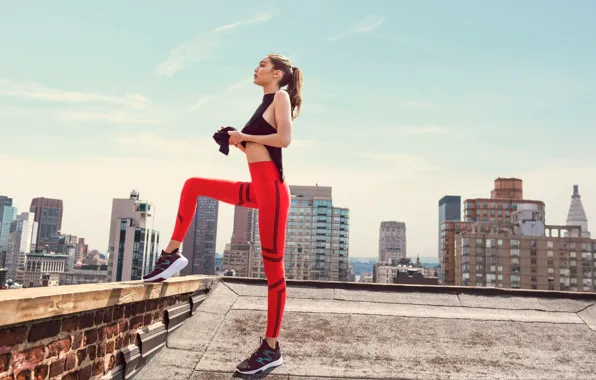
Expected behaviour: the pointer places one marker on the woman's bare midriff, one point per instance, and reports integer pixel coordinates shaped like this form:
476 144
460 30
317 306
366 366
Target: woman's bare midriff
256 152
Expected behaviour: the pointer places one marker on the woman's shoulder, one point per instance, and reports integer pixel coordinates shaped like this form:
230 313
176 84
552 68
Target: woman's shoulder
281 95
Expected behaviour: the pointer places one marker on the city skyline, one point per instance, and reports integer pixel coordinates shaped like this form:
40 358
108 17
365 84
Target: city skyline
396 113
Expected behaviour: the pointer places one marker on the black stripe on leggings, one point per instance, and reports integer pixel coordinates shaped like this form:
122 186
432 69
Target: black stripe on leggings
280 292
274 259
241 201
273 250
273 286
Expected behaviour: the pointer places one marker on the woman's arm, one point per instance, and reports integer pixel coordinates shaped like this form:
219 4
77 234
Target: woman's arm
283 119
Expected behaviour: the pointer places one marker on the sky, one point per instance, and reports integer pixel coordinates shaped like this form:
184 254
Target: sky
403 103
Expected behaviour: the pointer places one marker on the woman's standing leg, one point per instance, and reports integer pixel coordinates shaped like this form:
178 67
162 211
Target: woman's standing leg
274 205
232 192
272 229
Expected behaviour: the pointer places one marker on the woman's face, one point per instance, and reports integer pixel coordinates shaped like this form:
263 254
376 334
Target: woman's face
264 73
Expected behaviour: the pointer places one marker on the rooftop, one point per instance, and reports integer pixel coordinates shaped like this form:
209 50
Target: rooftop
336 330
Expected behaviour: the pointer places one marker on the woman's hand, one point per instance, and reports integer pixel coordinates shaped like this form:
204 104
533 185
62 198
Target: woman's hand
236 137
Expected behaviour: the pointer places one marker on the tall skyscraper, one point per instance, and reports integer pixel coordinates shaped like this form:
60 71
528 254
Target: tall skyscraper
133 243
392 242
199 243
48 215
4 201
317 241
8 214
576 215
21 241
449 210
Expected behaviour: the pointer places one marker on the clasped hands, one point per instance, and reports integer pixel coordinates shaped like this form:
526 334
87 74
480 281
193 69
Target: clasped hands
236 137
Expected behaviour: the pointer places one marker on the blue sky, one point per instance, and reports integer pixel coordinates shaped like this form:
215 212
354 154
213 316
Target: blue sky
404 102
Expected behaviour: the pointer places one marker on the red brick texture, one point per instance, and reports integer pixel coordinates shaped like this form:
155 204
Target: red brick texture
76 346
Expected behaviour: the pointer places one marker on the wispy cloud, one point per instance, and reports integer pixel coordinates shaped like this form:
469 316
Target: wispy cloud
40 92
131 108
200 48
369 23
241 84
196 50
200 103
260 18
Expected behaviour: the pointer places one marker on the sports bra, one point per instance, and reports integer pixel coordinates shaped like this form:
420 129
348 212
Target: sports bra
257 125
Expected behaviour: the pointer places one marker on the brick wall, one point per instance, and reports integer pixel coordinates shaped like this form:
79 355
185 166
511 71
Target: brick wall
77 346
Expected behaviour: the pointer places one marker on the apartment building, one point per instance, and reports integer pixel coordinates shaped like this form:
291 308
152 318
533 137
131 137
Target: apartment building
505 199
526 255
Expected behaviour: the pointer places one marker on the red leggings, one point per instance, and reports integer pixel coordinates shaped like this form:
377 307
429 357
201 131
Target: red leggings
272 197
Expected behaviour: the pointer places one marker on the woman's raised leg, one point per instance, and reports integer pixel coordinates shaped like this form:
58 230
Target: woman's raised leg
231 192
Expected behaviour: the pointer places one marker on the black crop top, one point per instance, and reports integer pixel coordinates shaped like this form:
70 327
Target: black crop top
257 125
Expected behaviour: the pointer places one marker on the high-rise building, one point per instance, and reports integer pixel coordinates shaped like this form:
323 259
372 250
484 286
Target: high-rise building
317 241
133 243
506 197
200 240
527 254
392 242
245 224
243 253
48 215
4 201
576 215
449 210
8 214
21 241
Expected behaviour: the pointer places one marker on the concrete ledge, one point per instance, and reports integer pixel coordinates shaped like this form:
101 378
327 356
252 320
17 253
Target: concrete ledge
23 305
436 289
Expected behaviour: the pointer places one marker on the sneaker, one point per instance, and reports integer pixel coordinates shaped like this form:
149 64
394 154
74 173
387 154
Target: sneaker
262 359
166 266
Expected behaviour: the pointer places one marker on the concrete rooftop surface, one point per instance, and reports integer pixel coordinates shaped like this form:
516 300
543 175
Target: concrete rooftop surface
335 331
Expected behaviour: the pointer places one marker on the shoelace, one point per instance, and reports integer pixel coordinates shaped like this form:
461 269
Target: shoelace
160 262
256 351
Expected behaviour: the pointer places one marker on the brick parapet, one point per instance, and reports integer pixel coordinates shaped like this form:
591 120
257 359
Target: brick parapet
95 342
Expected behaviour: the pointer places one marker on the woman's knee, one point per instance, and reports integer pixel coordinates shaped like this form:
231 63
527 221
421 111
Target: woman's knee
193 182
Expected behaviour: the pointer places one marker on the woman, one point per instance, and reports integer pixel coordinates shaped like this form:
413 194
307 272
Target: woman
262 139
